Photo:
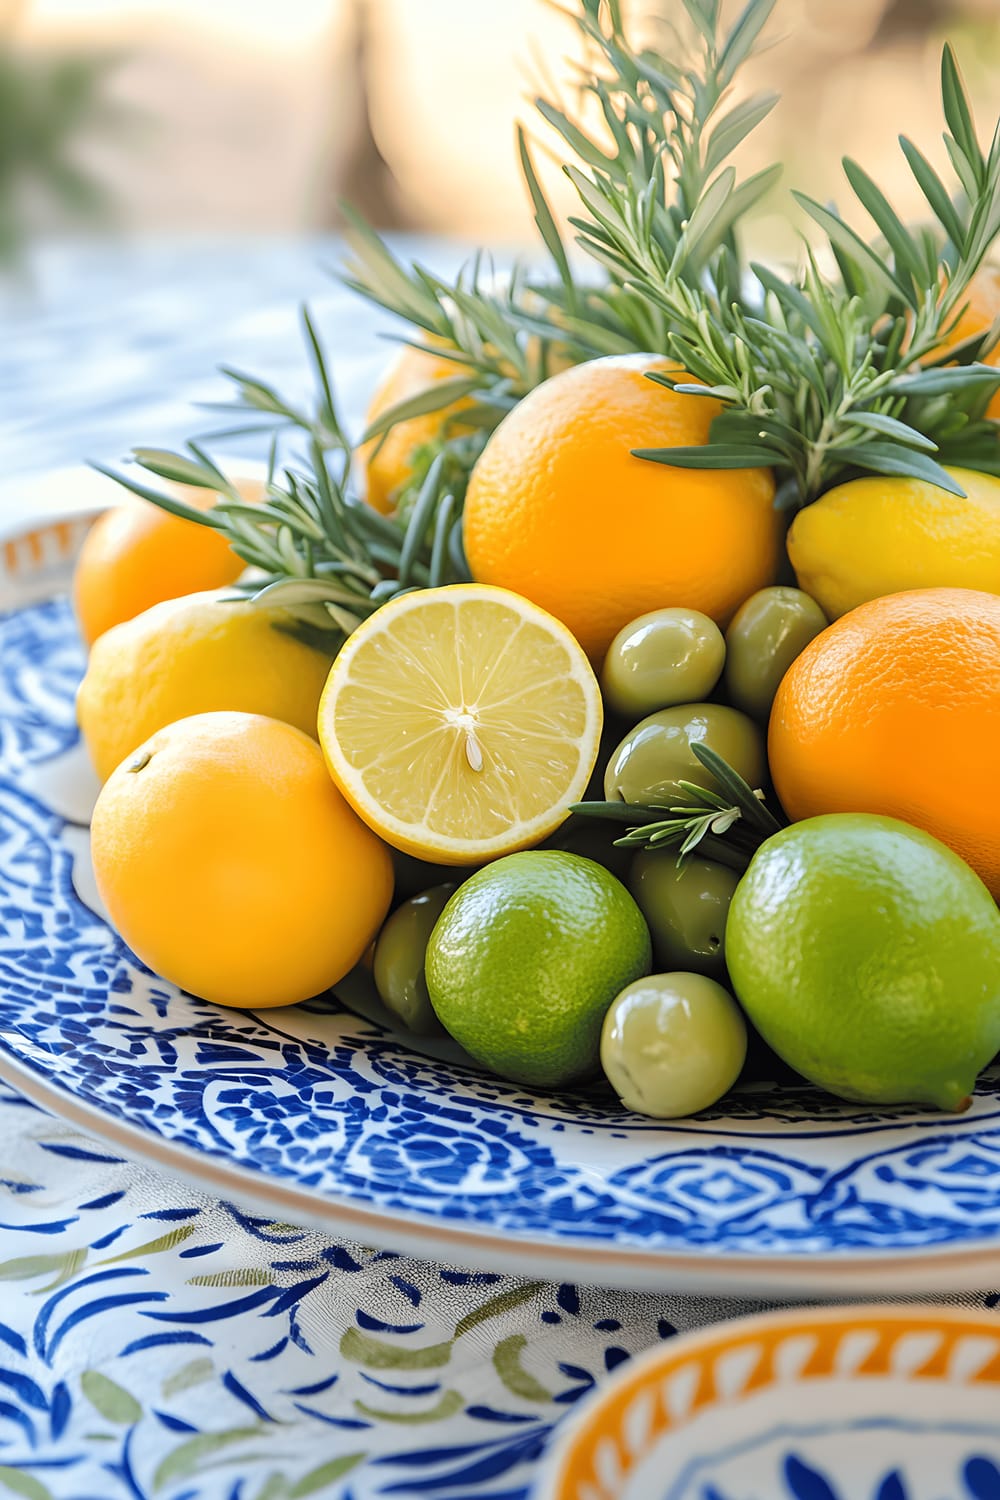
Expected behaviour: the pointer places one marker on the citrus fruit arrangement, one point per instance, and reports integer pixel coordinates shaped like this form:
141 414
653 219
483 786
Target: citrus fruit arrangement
627 697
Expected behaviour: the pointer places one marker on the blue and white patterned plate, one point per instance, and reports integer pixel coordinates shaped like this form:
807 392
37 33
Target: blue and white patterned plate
322 1114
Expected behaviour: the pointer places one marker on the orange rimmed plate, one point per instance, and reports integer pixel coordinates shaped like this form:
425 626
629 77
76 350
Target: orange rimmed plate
849 1403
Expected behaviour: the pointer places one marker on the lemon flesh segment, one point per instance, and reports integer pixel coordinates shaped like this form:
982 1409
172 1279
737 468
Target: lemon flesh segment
461 722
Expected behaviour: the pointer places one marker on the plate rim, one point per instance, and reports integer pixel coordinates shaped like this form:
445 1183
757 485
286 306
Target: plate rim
972 1266
854 1272
550 1475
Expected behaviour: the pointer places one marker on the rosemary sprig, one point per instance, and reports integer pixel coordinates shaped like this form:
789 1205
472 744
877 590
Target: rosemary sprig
820 378
727 826
313 546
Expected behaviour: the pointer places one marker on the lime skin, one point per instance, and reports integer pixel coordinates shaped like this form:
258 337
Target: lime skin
526 958
868 956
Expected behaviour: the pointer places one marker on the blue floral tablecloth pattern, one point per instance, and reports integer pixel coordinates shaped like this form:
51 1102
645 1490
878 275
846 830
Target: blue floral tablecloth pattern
157 1343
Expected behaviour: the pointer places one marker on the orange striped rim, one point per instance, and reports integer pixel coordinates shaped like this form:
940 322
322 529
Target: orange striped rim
51 544
672 1384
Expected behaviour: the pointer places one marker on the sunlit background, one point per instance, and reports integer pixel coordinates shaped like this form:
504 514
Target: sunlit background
260 115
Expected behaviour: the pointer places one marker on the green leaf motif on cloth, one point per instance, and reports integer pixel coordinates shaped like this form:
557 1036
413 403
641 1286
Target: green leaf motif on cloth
114 1403
24 1267
496 1306
316 1480
153 1247
377 1355
239 1276
518 1380
23 1484
195 1372
187 1459
450 1403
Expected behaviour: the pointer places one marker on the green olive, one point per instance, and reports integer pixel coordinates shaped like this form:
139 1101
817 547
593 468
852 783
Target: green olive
668 656
765 636
398 968
656 754
685 908
673 1044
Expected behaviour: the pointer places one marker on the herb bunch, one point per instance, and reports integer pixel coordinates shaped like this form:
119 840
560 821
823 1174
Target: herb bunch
821 375
313 547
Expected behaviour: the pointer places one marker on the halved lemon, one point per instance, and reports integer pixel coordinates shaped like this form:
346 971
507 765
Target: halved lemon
461 722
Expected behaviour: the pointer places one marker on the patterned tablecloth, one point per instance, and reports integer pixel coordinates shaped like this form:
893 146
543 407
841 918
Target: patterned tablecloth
155 1342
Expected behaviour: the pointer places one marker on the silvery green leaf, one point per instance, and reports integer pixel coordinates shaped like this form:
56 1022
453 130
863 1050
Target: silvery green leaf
942 380
709 456
735 126
898 237
544 219
875 421
887 458
958 114
434 397
159 497
934 191
852 245
176 466
740 42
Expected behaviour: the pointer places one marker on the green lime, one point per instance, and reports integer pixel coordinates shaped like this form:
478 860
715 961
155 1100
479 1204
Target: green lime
526 958
868 956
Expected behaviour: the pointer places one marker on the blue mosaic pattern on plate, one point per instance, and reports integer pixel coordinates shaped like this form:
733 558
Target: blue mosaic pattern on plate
890 1458
341 1108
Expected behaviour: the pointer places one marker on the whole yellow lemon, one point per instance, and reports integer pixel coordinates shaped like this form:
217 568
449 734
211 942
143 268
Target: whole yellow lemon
232 866
882 535
194 655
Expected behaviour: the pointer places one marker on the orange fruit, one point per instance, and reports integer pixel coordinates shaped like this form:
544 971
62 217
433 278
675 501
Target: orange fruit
895 709
136 555
560 511
232 866
983 299
388 461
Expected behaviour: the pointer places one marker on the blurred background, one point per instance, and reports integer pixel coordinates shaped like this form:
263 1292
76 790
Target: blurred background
171 170
259 115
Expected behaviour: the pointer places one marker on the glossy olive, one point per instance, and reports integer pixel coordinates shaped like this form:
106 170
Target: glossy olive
765 636
657 753
668 656
398 967
685 907
673 1044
